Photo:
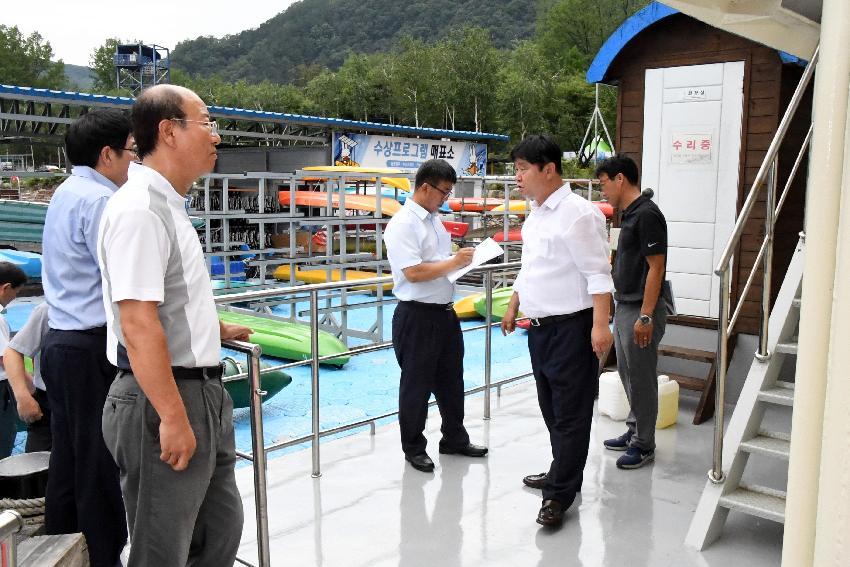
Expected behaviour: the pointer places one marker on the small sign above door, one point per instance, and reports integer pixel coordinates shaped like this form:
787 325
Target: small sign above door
690 148
694 93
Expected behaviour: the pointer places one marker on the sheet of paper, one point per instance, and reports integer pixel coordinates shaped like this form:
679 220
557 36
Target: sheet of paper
487 250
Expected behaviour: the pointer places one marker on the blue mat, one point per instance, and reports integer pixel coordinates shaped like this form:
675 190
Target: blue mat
366 387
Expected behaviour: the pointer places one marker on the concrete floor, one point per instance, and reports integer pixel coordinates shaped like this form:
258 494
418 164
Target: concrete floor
370 508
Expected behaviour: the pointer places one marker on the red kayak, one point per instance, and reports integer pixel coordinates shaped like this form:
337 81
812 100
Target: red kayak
514 235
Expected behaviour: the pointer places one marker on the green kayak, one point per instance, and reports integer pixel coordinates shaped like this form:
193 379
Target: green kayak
501 298
283 339
271 382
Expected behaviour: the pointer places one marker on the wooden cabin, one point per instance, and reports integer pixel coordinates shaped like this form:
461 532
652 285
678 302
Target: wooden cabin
697 109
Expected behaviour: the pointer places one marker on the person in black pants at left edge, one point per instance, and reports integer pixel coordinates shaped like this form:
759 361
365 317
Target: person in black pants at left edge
426 332
83 490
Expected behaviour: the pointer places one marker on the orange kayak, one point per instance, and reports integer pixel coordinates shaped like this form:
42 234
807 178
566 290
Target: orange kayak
389 207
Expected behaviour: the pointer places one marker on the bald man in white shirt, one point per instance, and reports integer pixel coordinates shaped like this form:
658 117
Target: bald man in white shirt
565 287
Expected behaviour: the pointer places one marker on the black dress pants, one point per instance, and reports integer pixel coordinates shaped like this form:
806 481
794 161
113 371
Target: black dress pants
83 489
428 345
565 369
39 437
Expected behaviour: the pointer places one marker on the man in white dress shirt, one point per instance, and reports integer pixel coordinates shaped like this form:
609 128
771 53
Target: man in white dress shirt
565 287
427 339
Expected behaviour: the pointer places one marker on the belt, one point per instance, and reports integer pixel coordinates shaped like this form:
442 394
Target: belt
201 373
551 319
432 306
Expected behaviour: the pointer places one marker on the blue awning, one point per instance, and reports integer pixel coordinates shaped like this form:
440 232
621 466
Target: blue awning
70 97
634 25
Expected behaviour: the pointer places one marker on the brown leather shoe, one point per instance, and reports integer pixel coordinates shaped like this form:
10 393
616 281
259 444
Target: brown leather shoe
537 481
551 514
421 462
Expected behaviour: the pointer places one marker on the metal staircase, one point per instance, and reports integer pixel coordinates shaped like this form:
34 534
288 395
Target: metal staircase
767 388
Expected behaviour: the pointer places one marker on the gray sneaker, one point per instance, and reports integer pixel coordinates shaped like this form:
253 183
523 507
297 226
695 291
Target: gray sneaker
620 443
635 458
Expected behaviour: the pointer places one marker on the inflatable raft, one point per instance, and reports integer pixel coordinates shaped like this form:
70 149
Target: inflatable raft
283 339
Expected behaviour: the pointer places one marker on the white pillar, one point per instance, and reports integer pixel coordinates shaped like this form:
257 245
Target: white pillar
826 166
832 544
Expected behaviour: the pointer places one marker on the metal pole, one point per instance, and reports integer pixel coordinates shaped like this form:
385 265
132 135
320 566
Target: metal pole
259 454
488 338
767 266
715 475
314 353
11 522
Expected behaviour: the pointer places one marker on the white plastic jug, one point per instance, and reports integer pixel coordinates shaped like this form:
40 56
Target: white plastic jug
612 397
668 402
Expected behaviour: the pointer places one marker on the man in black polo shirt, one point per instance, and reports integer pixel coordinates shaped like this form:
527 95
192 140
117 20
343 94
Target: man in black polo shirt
641 314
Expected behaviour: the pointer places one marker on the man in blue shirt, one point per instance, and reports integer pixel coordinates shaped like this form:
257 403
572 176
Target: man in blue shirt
83 490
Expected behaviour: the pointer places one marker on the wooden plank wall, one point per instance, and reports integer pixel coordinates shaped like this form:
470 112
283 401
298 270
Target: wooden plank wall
680 40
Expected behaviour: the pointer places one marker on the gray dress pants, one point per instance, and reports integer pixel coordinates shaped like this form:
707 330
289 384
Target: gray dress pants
176 519
638 372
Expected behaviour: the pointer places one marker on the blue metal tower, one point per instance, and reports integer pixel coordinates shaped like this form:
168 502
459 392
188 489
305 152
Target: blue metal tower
139 66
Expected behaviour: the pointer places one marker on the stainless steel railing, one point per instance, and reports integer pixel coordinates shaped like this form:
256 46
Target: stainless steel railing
259 450
258 454
767 175
11 523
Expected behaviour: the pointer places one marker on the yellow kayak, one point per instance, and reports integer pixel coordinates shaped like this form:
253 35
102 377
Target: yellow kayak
465 308
321 276
514 206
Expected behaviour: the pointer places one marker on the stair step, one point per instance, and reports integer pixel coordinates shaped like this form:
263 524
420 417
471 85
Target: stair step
787 348
796 302
688 382
781 394
769 444
757 501
687 353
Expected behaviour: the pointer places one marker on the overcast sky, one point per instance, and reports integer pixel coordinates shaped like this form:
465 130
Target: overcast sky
75 28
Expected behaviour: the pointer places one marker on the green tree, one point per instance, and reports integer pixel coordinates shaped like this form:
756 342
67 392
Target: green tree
26 60
569 28
102 65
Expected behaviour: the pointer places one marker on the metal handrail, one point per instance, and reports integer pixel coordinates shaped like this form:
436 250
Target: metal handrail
258 454
11 523
767 174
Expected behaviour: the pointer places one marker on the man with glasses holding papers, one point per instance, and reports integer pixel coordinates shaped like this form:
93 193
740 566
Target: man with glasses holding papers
426 336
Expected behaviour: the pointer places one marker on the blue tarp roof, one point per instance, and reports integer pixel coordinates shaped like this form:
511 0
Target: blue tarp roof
634 25
70 97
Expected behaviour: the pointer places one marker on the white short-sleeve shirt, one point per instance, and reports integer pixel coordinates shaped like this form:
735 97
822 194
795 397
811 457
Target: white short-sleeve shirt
28 341
149 251
412 237
564 256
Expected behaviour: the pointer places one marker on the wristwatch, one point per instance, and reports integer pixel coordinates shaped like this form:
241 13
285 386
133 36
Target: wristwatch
645 319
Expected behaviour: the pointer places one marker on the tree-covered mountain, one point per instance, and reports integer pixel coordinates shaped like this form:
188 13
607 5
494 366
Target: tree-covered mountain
78 77
312 34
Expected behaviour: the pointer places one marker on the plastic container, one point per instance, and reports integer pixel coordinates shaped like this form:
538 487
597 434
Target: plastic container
668 402
612 397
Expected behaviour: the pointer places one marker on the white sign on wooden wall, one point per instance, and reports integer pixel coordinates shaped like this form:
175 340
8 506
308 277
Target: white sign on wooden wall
690 148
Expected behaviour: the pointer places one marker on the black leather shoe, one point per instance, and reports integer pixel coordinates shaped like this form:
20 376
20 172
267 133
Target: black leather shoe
469 451
551 514
421 462
537 481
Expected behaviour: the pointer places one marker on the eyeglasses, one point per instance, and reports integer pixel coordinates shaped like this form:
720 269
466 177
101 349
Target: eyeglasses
211 125
133 151
443 192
